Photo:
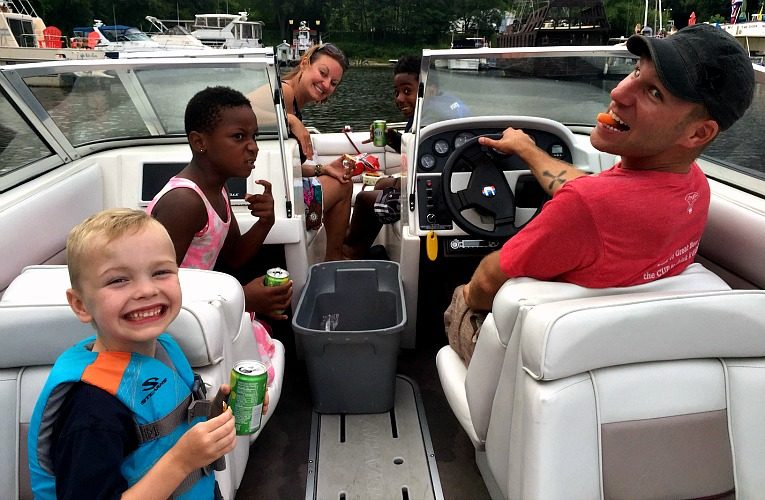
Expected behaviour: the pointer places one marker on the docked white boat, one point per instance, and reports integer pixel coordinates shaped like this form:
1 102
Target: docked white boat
120 39
228 31
24 37
472 64
645 392
177 36
750 34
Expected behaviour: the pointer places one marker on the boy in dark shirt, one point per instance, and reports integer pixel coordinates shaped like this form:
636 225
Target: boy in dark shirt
382 205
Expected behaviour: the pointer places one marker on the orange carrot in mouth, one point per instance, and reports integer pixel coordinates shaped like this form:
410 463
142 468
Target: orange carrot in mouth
607 119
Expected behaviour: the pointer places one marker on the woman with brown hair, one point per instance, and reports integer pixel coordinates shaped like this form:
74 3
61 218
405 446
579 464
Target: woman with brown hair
327 189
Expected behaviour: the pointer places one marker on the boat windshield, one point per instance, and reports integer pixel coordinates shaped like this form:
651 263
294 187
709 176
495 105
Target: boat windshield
566 84
94 104
566 87
124 34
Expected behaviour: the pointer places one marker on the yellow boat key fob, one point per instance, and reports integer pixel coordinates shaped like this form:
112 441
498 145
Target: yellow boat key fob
431 245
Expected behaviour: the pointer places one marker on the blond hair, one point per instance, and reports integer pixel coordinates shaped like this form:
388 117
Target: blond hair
99 229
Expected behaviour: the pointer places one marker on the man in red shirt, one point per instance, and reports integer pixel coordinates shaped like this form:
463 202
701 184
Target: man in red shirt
642 219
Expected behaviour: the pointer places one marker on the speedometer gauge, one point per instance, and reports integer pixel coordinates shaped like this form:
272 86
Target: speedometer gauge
441 147
462 138
427 161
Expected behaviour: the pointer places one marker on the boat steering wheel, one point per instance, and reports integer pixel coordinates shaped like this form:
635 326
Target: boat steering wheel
488 190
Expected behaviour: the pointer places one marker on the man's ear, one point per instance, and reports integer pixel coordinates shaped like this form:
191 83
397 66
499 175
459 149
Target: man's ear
78 306
701 133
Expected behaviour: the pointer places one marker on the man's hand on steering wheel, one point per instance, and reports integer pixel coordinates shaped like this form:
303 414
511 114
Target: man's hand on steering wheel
513 141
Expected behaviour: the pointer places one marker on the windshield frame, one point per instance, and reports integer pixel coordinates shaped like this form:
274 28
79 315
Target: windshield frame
127 76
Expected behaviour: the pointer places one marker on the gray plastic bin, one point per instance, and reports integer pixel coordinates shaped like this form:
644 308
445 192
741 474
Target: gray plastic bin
351 367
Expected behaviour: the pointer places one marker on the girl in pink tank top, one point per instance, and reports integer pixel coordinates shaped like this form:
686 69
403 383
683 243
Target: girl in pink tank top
194 206
205 246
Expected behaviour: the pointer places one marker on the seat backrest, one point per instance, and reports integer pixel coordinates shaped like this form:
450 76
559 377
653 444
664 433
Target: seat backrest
634 396
517 297
38 325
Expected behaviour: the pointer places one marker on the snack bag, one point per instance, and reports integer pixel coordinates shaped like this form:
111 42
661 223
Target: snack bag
363 162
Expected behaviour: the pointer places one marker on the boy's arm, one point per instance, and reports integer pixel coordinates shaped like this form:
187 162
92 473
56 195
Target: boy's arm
92 435
199 446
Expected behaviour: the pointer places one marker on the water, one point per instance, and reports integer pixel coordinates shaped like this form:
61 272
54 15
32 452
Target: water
364 95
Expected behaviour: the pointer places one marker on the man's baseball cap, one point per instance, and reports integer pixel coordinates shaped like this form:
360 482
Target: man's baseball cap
702 63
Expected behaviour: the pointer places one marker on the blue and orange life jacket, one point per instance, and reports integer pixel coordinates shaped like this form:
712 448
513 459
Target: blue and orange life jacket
158 395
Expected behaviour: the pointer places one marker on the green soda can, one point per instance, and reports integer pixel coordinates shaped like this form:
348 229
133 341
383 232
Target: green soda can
276 276
248 389
378 133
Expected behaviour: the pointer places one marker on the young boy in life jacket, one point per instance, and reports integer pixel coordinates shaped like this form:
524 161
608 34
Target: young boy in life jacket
111 420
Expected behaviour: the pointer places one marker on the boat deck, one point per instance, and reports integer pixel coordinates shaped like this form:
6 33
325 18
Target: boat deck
279 459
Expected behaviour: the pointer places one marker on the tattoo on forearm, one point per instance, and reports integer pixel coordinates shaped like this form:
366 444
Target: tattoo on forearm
555 178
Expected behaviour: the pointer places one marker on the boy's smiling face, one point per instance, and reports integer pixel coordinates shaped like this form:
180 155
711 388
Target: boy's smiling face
405 92
129 290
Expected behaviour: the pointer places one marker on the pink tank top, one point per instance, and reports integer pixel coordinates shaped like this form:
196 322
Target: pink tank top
207 243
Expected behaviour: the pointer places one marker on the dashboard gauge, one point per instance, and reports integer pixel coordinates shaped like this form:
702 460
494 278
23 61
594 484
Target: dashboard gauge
427 161
462 138
556 151
441 147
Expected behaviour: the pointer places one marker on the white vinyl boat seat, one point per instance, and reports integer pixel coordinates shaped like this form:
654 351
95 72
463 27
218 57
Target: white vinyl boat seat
470 390
640 396
37 325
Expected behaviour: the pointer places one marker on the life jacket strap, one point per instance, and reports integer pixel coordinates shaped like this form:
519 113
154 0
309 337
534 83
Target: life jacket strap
185 411
165 425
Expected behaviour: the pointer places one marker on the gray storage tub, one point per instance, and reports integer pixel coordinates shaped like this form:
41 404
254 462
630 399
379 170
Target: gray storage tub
348 321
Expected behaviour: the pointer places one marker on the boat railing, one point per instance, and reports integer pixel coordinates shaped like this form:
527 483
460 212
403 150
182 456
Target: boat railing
27 40
20 6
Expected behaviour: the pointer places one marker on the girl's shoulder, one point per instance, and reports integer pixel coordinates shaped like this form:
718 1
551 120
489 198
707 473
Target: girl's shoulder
181 194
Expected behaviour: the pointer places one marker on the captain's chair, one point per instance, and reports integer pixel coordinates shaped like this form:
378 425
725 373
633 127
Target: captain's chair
37 325
470 389
635 396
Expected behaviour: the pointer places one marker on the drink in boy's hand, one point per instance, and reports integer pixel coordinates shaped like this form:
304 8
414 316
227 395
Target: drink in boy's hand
248 390
378 133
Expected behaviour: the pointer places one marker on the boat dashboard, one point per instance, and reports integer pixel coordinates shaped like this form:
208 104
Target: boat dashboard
461 187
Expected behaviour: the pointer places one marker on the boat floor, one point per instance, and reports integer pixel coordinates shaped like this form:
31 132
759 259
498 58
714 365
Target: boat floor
279 460
374 456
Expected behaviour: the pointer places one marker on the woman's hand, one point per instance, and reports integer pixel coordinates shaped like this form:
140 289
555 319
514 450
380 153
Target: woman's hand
262 205
338 170
301 134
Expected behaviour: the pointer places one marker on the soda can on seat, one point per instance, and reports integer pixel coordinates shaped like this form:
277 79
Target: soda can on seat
248 390
378 133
